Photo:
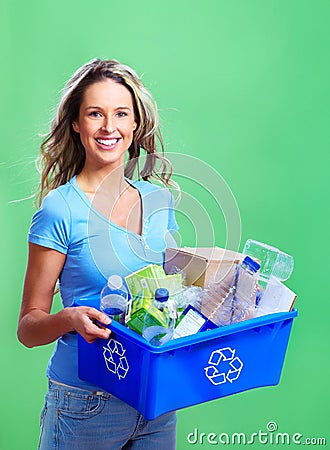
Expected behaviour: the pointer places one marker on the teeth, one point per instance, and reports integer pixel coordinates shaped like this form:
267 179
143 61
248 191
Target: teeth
107 141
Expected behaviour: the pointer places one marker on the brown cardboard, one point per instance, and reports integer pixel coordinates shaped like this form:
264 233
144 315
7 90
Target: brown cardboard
201 264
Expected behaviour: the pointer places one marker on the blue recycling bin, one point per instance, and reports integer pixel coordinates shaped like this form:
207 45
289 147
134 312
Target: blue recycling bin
188 370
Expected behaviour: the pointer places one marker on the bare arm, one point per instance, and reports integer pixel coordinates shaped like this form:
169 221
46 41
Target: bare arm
36 325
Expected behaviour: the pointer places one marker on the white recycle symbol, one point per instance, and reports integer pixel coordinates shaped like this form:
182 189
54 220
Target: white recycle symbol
115 359
234 365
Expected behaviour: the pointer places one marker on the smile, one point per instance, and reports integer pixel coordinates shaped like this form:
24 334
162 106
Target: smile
107 142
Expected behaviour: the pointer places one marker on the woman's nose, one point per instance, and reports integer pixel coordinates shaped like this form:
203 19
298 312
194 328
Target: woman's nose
108 125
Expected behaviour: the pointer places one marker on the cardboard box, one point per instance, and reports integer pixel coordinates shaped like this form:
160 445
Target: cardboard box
140 305
201 264
145 279
150 278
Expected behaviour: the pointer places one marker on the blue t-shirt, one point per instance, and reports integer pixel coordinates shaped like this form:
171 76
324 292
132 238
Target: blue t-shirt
96 248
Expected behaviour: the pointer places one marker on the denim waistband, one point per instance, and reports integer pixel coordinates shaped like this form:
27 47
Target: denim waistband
51 381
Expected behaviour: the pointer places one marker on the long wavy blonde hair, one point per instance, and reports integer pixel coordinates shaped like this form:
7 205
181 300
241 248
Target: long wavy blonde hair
62 154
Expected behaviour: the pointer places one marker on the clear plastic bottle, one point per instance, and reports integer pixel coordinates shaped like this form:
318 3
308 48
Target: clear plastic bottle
217 299
245 290
114 299
159 320
273 262
190 295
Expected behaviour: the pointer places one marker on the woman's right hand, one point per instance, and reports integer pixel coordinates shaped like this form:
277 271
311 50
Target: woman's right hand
88 322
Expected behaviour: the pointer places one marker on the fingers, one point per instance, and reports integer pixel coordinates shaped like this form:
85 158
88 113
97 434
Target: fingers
101 333
88 322
99 316
94 328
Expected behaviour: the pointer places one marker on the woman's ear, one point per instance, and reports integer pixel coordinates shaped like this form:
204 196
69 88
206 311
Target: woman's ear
134 126
75 127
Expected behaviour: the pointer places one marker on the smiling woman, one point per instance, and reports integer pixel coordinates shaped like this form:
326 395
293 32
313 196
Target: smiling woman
62 152
94 221
106 124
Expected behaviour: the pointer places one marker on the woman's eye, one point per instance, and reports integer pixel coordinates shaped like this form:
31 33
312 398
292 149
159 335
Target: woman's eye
122 114
94 114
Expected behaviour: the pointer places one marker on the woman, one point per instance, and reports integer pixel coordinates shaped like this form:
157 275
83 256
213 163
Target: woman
94 221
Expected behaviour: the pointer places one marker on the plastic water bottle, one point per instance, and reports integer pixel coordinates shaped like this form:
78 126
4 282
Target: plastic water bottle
114 299
245 279
273 262
245 290
217 299
159 320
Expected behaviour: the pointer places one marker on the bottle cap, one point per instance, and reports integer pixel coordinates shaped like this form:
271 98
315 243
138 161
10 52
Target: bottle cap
161 294
251 263
115 282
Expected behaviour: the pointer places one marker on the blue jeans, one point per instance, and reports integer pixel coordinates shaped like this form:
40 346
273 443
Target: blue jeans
76 419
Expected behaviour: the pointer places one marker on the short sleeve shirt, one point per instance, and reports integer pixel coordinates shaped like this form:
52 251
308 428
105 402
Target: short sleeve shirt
96 248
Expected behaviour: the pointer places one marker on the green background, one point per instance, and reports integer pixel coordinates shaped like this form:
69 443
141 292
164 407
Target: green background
242 85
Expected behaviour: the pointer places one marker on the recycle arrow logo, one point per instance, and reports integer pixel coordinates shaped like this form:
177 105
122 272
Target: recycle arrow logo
115 359
223 358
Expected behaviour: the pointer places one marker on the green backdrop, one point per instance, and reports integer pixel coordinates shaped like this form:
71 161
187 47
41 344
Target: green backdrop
244 86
